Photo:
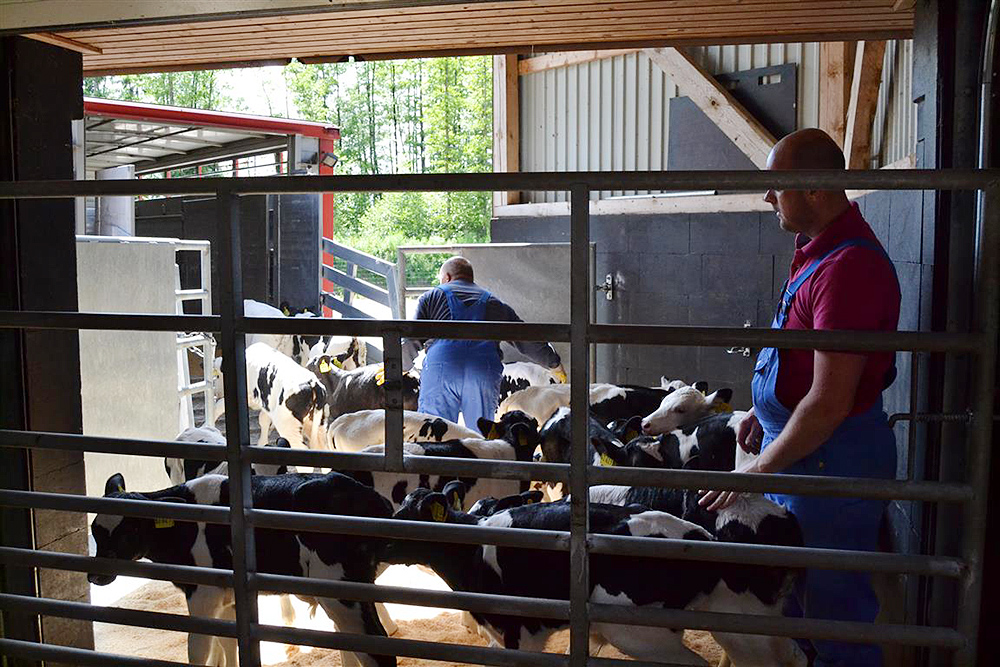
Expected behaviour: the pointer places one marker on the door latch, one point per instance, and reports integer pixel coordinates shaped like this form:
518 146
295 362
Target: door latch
608 287
742 351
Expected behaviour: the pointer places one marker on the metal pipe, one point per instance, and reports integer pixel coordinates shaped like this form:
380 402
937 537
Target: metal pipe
25 604
580 289
184 574
90 443
930 417
234 370
38 319
348 590
890 179
411 648
392 365
845 631
77 656
117 506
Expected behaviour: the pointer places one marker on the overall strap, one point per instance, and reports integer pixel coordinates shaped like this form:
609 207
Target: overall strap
810 269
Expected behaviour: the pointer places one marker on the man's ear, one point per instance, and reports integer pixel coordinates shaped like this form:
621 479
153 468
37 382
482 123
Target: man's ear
115 484
434 507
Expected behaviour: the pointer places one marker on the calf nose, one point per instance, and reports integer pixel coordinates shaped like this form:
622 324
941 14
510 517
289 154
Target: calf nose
646 426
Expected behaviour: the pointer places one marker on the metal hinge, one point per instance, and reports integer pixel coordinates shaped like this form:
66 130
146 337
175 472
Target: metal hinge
608 287
744 351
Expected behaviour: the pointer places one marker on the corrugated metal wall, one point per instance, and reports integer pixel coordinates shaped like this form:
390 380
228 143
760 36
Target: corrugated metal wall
613 114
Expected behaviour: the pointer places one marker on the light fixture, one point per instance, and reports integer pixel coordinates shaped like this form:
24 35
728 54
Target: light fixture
329 160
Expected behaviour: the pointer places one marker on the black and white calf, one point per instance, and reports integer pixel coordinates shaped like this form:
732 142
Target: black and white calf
184 470
603 446
286 394
348 351
519 375
684 406
707 444
359 389
290 553
620 580
513 438
365 428
607 401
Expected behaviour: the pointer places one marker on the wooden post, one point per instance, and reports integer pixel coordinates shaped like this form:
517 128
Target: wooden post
864 99
836 61
506 123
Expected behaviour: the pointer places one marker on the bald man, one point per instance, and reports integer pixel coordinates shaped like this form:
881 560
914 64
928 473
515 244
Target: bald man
820 413
464 375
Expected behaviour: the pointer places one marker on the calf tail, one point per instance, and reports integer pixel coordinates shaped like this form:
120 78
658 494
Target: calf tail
318 416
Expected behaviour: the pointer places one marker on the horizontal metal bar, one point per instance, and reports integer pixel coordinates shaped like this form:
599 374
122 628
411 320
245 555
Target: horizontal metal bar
763 554
930 417
191 293
802 485
356 285
75 442
868 633
431 465
200 386
347 590
68 502
30 319
143 619
641 334
361 259
894 179
408 648
185 574
342 307
193 341
67 655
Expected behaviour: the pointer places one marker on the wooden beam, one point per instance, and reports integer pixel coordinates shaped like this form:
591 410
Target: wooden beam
65 42
716 102
836 62
903 5
506 123
864 99
565 59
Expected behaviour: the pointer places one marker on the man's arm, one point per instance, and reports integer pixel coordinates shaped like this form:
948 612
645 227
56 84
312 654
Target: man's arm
542 354
412 346
828 403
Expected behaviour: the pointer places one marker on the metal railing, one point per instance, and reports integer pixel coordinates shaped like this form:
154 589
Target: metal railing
581 333
352 284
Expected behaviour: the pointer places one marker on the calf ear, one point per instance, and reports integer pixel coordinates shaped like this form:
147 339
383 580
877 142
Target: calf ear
434 507
532 497
488 428
115 484
701 386
454 492
281 442
324 364
720 400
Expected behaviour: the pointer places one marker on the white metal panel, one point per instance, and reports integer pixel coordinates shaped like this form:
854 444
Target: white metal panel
614 113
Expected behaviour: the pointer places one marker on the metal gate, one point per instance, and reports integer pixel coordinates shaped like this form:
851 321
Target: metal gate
980 343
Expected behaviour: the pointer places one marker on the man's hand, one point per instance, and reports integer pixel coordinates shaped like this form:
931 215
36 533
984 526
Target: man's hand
559 373
715 501
749 433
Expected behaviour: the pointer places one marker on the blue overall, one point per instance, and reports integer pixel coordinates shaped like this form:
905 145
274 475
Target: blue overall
862 446
461 375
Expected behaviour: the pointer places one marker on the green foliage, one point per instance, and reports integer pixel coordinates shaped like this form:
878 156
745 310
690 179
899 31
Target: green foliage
196 90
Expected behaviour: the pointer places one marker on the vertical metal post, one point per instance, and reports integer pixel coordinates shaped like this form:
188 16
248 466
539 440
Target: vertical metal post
580 297
392 358
987 317
234 369
401 283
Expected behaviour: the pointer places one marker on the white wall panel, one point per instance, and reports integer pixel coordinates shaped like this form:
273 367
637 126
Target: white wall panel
614 114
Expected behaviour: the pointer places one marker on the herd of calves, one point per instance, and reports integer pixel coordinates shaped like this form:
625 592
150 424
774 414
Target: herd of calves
330 400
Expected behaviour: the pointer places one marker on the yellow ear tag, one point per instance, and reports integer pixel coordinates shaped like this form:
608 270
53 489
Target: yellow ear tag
163 523
607 461
121 489
338 363
456 504
438 512
324 366
380 376
522 440
722 408
529 501
631 435
285 311
493 434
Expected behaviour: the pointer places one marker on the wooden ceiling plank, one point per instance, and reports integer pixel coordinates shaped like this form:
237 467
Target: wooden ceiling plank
473 32
836 62
64 42
567 58
716 102
904 5
864 99
775 11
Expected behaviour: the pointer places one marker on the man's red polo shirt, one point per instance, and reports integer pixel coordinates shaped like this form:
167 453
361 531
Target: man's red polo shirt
854 288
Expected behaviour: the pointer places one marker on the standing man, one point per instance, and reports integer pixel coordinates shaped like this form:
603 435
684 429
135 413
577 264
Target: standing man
820 413
464 375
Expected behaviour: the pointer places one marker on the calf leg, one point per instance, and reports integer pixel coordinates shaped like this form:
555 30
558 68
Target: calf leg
357 618
207 602
264 420
229 645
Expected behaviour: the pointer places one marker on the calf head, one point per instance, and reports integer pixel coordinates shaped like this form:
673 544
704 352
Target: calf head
684 406
124 537
557 441
627 429
489 506
515 427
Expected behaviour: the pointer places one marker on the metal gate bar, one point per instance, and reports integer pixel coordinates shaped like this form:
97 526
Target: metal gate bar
581 333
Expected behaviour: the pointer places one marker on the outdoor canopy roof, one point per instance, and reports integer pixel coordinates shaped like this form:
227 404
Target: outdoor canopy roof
251 33
155 137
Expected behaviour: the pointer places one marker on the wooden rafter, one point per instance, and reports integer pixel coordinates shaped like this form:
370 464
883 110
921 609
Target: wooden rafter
65 42
565 59
506 123
836 62
716 102
864 99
